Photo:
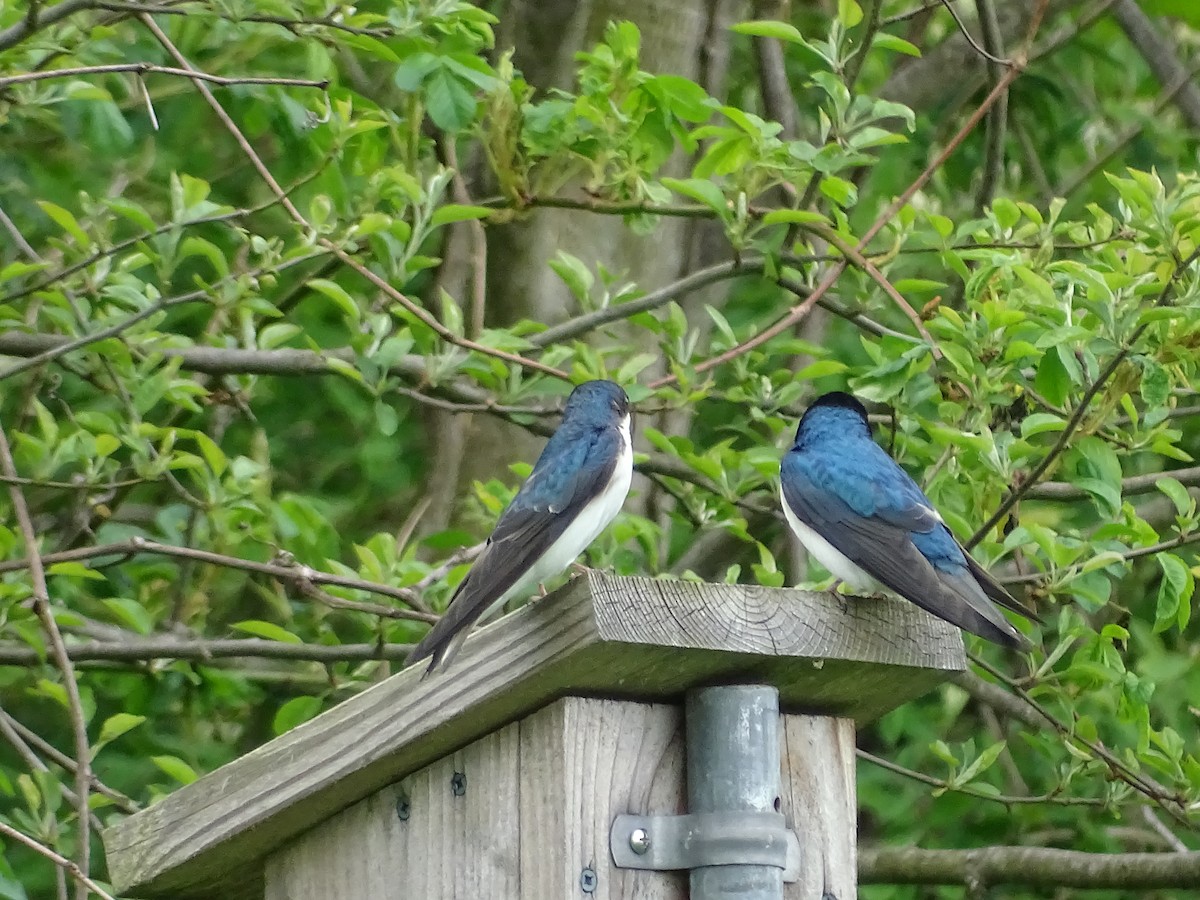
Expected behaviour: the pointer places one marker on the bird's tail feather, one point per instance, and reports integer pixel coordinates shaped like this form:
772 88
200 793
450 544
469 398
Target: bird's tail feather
962 602
441 651
993 589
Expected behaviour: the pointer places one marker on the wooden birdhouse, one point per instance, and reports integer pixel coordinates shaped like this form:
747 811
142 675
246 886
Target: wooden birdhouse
620 738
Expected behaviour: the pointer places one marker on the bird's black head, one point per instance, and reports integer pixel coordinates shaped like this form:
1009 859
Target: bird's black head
831 415
597 401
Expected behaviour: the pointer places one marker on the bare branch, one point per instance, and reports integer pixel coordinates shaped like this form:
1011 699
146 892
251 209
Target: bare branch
146 649
1030 866
41 606
142 68
1053 797
123 802
37 20
289 572
85 883
1134 484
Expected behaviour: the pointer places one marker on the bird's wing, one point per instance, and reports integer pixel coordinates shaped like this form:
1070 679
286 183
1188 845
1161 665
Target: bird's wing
560 485
882 545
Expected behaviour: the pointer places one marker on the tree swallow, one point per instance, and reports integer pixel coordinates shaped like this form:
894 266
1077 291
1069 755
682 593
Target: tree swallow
576 488
869 524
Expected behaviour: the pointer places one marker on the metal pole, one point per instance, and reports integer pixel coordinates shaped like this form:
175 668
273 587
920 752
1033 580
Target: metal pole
733 766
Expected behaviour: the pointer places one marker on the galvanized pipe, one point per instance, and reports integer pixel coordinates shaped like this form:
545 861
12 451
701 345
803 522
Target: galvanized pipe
733 765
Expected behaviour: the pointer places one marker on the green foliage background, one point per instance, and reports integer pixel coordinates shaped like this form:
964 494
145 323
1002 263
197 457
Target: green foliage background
236 387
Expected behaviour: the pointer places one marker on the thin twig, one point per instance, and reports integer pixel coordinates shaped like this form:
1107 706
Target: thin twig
966 32
123 801
142 68
1008 800
289 572
134 650
85 883
58 650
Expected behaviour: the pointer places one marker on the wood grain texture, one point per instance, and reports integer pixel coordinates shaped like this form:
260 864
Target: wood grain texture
584 762
540 797
819 799
622 638
451 843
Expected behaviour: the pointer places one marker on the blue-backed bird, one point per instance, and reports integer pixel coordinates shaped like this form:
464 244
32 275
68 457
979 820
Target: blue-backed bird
576 488
869 524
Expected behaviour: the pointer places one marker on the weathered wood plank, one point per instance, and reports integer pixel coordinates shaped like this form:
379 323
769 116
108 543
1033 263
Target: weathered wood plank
539 798
583 762
818 797
449 830
630 638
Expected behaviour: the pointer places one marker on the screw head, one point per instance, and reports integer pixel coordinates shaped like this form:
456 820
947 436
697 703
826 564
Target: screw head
639 841
588 880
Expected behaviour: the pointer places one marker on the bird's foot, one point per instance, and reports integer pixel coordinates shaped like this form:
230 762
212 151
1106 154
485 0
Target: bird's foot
541 590
580 569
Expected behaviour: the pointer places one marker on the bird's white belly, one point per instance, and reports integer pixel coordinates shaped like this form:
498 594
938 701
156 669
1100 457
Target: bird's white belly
839 565
584 529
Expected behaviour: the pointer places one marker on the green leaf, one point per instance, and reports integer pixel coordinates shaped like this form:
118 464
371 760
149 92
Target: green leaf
1053 381
839 190
268 630
771 28
386 418
213 455
820 369
1174 593
106 444
176 768
702 190
1038 423
66 221
338 295
1156 384
116 725
849 13
886 41
130 613
981 763
342 367
634 366
575 275
796 216
295 711
454 212
451 104
74 570
1184 504
413 71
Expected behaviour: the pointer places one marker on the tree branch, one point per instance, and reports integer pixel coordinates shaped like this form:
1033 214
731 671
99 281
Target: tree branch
288 573
143 68
41 606
151 648
1030 866
1134 484
27 26
81 878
